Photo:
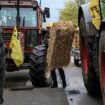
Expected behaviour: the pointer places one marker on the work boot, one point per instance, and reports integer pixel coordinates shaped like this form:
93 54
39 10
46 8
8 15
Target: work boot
64 84
54 79
54 86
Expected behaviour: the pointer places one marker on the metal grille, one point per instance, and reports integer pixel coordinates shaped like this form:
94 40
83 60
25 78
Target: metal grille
7 37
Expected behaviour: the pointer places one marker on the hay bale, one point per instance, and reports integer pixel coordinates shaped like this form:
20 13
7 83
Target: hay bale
60 43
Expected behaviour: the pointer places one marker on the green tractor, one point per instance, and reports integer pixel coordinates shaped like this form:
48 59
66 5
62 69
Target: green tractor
91 20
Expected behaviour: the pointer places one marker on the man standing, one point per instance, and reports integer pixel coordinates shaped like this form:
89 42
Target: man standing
2 67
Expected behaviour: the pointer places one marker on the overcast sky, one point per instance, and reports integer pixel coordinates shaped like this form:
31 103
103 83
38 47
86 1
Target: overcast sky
55 6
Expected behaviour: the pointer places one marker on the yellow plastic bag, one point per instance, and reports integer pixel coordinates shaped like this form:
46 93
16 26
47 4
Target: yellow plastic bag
15 46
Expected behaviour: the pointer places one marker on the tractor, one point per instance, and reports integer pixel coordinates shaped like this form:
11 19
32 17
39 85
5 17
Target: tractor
28 16
92 46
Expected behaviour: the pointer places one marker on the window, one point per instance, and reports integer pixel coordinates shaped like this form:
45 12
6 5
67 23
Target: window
27 15
8 16
32 40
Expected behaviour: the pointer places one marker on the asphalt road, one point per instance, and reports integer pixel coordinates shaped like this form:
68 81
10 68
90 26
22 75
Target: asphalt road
74 94
19 91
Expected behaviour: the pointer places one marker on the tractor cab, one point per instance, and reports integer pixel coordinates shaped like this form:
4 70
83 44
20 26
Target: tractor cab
28 17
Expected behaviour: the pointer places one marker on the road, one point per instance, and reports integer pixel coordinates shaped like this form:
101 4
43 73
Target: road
74 94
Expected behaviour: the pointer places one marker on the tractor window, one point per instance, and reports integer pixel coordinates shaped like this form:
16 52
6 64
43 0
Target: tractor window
31 38
8 16
41 19
28 17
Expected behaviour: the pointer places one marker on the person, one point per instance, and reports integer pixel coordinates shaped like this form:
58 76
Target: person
2 67
54 78
53 72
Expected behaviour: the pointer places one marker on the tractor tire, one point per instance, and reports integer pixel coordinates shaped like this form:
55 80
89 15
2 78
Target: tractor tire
102 63
88 71
37 65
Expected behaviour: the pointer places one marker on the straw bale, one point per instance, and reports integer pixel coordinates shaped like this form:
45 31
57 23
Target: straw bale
60 43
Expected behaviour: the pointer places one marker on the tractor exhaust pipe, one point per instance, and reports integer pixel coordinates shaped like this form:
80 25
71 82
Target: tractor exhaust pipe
18 16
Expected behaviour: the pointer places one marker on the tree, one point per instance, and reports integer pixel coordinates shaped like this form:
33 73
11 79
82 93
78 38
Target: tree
70 11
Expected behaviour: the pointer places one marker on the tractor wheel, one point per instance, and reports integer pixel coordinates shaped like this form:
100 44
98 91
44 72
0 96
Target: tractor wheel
102 63
37 65
89 76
